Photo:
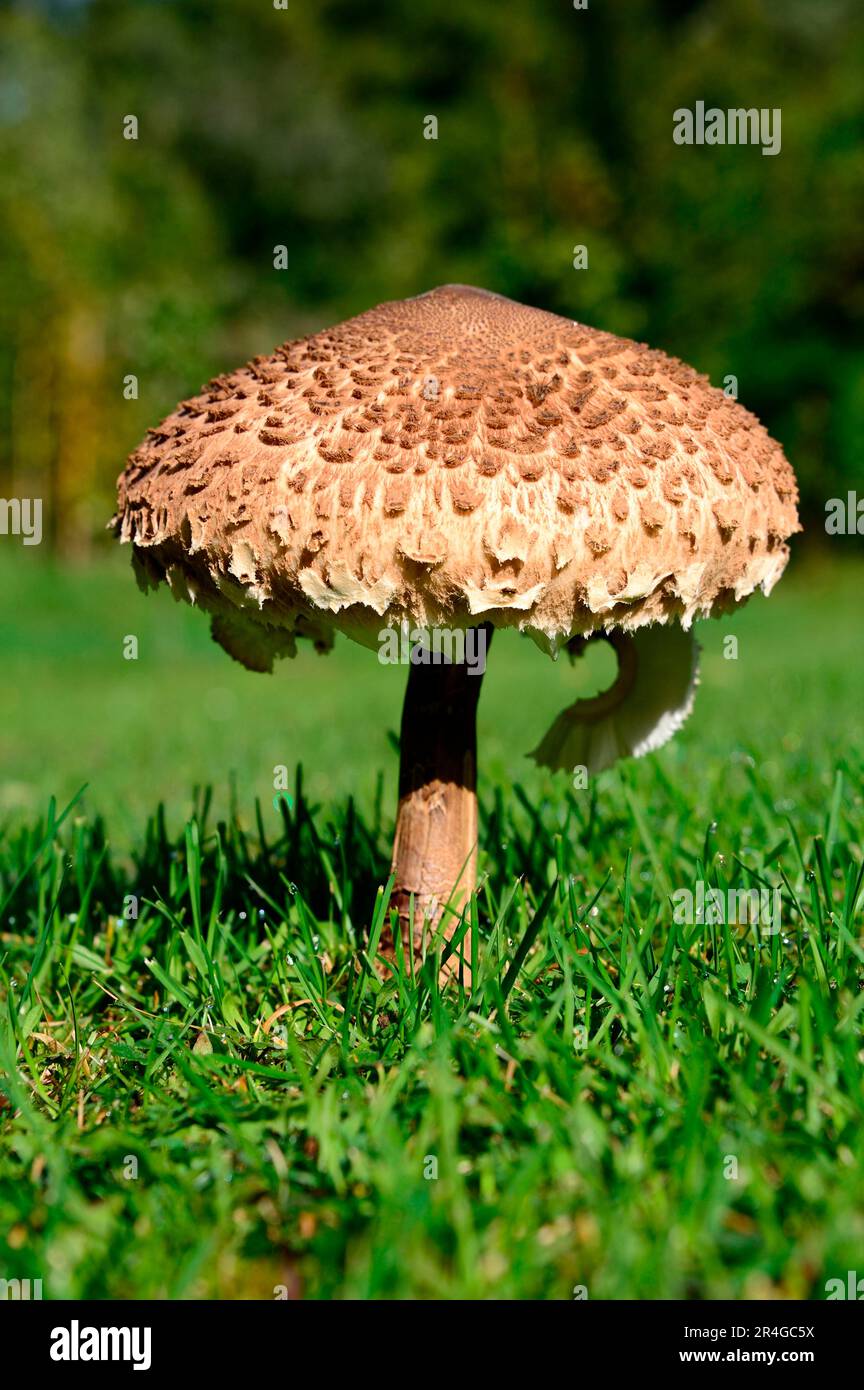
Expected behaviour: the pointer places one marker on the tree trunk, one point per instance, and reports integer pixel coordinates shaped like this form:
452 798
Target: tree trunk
435 848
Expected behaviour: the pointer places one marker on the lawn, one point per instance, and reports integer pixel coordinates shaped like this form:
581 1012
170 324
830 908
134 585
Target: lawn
219 1097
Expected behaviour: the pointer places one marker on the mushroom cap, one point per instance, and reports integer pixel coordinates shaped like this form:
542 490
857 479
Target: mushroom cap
454 459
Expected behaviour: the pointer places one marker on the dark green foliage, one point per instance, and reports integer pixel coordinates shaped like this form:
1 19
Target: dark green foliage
303 127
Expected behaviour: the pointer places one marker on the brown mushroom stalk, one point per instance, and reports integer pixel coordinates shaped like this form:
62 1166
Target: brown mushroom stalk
435 846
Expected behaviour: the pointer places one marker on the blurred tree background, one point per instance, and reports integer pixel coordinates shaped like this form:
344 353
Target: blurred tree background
304 127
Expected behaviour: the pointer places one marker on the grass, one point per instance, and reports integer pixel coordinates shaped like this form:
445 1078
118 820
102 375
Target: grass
220 1098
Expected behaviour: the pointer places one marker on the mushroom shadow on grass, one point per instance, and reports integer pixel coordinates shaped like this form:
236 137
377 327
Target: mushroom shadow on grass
461 462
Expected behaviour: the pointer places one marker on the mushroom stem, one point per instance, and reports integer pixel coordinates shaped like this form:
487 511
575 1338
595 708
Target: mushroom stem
435 847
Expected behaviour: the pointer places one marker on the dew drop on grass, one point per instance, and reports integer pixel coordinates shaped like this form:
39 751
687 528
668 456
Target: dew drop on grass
242 916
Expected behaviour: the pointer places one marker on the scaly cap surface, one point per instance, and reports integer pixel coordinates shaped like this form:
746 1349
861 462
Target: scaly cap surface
460 458
454 459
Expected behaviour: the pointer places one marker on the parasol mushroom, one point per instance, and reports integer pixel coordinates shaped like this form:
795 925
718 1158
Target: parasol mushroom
461 461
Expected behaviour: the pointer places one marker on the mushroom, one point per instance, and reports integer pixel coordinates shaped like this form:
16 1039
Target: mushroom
461 462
